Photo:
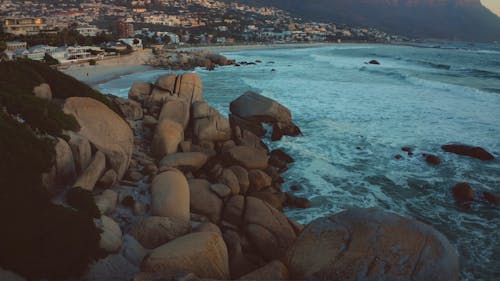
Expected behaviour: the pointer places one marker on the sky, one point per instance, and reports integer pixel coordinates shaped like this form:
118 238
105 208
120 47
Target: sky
493 5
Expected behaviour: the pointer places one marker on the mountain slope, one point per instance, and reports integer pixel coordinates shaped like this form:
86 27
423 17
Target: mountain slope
445 19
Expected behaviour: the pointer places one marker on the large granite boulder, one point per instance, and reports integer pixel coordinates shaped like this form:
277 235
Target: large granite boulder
203 200
258 109
167 137
370 244
267 228
139 91
154 231
208 123
176 109
187 86
65 164
201 253
105 129
248 157
170 196
471 151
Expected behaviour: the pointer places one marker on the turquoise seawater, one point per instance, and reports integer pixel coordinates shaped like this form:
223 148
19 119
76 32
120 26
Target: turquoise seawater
355 117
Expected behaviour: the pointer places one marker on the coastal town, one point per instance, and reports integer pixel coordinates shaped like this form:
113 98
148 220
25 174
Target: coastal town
66 32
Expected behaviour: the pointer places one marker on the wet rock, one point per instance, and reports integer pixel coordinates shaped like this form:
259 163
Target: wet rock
243 124
491 198
297 202
398 157
280 154
463 192
432 159
471 151
374 62
373 244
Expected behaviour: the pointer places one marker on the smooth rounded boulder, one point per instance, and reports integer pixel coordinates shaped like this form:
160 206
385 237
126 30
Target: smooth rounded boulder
201 253
256 107
267 228
105 129
374 245
139 91
167 137
170 196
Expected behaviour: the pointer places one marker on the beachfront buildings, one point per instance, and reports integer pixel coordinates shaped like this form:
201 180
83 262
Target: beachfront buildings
23 25
125 29
88 30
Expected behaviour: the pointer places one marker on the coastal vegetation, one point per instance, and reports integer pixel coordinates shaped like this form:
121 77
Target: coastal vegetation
42 239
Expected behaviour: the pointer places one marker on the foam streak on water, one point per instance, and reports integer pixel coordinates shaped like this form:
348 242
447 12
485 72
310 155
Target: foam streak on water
419 97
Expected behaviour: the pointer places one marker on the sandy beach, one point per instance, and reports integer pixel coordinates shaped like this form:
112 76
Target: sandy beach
109 69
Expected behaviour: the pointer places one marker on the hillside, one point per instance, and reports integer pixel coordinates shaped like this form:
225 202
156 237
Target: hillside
466 20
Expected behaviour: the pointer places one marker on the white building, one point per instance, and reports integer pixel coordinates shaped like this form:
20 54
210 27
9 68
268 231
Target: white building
90 30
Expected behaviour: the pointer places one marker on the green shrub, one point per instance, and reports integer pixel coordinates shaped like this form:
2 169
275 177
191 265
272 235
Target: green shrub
83 200
39 240
92 62
19 77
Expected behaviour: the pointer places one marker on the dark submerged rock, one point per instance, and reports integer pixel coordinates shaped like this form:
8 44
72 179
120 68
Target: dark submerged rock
471 151
463 192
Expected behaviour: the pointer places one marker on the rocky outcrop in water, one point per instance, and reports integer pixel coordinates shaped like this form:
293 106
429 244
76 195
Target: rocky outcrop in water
187 60
467 150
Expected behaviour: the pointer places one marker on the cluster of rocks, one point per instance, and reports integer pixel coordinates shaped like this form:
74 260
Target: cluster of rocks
462 192
187 194
185 60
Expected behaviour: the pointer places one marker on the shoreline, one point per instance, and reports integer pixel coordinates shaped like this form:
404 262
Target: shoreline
111 69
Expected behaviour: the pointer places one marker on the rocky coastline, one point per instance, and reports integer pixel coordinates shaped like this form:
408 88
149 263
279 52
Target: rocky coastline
188 60
183 193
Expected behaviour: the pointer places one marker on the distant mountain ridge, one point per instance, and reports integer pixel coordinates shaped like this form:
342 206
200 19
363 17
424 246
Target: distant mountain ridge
466 20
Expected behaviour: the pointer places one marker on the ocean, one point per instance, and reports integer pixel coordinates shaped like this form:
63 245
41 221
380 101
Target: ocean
356 117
